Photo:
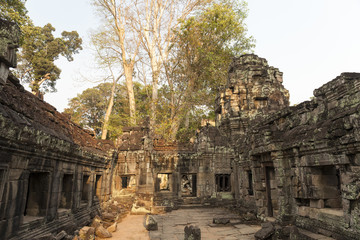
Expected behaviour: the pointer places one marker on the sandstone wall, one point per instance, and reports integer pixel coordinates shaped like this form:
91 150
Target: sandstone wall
305 160
53 174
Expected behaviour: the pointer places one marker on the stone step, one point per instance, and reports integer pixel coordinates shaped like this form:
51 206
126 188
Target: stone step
192 206
307 235
191 200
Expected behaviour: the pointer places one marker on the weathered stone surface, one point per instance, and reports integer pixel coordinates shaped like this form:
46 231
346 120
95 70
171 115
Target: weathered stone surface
86 233
150 223
106 216
61 235
112 228
265 232
192 233
96 222
102 232
48 236
221 220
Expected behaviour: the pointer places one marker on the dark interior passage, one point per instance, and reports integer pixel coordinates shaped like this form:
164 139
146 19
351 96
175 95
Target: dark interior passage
37 197
66 191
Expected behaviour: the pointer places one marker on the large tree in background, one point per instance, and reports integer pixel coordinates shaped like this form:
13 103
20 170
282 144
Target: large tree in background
149 23
38 52
39 48
119 38
156 20
88 109
14 10
202 51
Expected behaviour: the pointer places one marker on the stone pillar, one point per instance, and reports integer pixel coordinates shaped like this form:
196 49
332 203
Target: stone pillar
9 40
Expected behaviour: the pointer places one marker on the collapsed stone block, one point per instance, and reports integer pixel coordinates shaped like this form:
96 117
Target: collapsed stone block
112 228
86 233
151 223
102 232
265 232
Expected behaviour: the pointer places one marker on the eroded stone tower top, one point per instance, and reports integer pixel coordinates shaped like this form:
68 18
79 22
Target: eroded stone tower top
253 89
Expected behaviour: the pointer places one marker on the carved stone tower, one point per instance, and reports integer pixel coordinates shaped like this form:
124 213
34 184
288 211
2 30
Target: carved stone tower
254 90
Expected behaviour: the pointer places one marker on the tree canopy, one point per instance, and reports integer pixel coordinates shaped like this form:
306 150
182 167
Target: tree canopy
38 53
14 10
88 108
39 48
202 50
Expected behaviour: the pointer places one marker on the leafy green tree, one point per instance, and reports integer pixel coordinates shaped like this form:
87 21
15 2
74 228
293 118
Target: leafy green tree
88 109
14 10
39 51
204 46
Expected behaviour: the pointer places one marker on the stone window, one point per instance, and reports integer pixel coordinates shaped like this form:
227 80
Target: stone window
260 102
250 183
325 187
37 195
85 188
164 181
98 182
66 191
222 182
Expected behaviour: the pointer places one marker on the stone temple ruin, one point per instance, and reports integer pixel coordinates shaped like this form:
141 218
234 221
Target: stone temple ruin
296 165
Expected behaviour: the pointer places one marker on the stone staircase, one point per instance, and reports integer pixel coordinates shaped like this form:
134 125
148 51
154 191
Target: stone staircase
191 202
307 235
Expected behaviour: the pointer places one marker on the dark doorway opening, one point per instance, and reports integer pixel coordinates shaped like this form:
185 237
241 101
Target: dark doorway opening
98 182
250 183
271 190
66 191
222 182
37 195
85 188
125 181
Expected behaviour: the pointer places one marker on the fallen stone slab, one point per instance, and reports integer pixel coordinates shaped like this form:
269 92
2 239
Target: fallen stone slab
221 220
106 216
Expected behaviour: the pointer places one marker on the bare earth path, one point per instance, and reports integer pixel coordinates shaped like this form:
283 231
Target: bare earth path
131 228
171 226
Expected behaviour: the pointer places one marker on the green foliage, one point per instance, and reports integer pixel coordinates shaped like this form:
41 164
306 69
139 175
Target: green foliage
204 46
39 51
14 10
88 108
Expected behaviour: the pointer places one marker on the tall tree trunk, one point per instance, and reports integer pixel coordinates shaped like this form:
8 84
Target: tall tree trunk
173 115
129 69
108 111
154 100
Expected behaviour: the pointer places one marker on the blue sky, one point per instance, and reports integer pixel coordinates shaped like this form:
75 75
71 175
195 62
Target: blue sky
310 41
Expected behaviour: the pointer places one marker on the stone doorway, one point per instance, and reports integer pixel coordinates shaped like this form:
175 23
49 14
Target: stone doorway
271 191
188 185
